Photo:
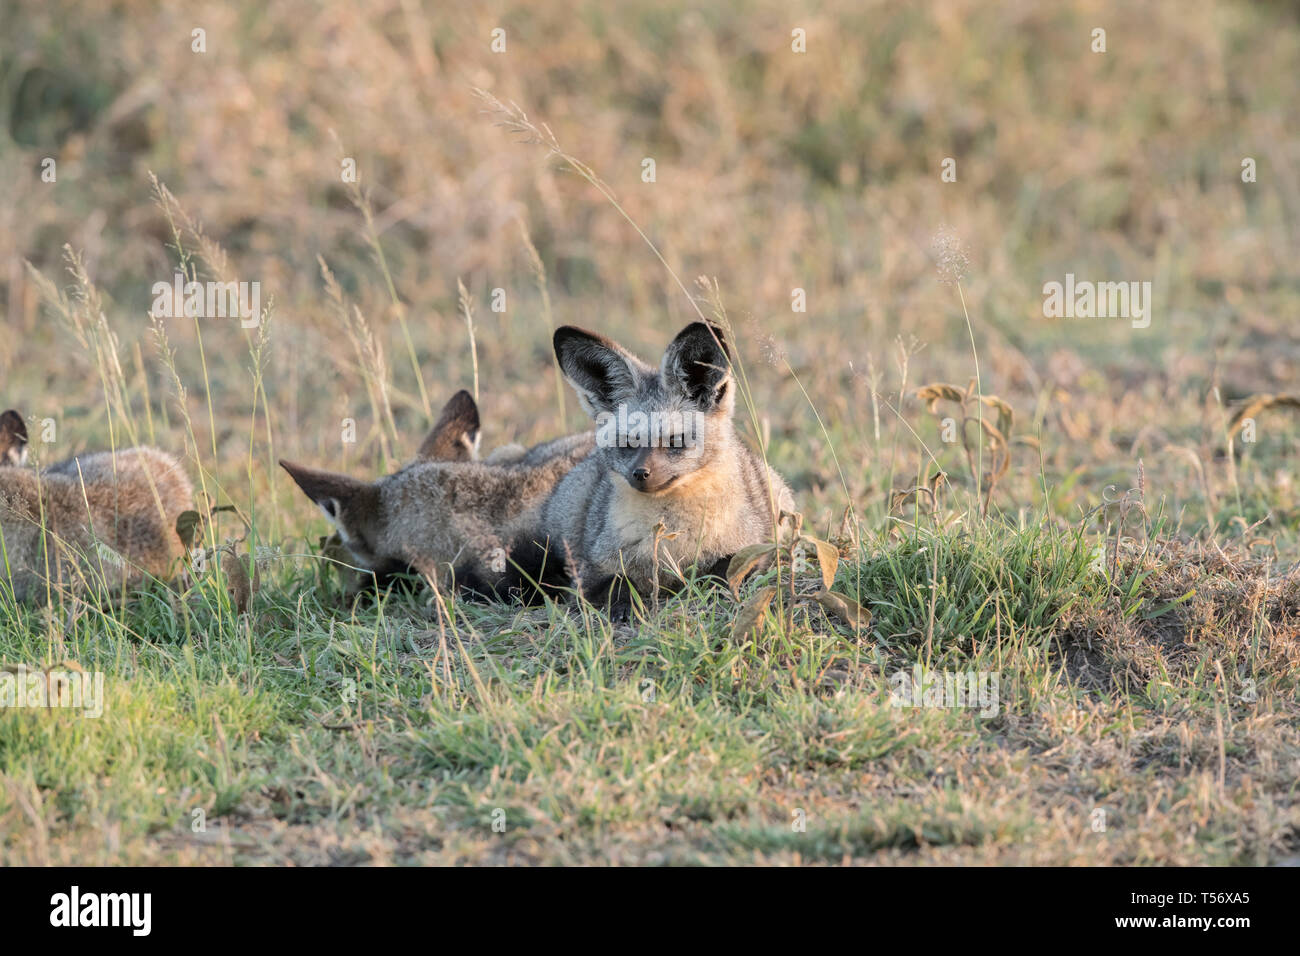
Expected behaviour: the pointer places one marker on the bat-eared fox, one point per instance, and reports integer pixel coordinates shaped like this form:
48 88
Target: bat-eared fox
669 482
664 483
97 521
448 515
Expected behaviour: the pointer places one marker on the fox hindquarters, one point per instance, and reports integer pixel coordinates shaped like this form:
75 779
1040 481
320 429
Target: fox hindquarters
103 519
670 483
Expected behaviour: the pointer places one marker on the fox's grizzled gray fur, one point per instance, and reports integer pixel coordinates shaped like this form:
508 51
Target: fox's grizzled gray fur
690 473
105 519
446 515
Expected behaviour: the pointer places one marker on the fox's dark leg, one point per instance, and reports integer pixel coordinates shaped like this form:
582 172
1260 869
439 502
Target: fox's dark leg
366 587
614 593
718 569
532 573
711 575
537 571
473 587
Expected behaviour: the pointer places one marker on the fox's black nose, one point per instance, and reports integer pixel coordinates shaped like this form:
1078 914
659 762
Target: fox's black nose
641 475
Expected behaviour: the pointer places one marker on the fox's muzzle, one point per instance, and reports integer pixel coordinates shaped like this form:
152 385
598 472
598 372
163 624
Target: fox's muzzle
649 471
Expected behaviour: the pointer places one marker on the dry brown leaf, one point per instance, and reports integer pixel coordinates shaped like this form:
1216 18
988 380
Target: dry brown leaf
1006 416
751 613
1258 403
756 557
845 609
931 394
828 559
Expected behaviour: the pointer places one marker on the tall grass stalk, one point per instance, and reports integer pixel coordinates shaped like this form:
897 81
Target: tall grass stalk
466 303
539 276
361 199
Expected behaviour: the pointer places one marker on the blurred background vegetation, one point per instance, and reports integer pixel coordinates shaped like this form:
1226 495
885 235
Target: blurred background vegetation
775 170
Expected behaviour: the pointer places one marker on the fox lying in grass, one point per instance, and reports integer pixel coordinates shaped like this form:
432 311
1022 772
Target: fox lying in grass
606 511
670 483
106 517
448 516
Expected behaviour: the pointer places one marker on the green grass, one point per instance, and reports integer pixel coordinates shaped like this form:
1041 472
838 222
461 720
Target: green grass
308 734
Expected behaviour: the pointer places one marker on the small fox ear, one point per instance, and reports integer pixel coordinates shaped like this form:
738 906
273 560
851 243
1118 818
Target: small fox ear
454 436
600 371
13 438
698 364
331 490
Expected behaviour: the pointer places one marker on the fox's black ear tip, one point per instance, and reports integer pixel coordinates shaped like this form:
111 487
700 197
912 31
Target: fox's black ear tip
566 332
459 414
704 330
463 403
712 328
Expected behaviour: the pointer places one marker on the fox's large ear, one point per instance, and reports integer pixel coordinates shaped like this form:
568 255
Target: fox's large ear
13 439
698 364
454 436
600 371
331 490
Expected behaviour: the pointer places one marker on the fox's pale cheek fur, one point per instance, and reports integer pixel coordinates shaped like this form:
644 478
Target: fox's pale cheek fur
362 551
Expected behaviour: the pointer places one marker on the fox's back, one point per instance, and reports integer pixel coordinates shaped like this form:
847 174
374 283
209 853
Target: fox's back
440 512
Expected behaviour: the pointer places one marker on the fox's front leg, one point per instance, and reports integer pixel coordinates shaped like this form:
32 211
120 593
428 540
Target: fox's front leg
717 571
708 574
614 593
